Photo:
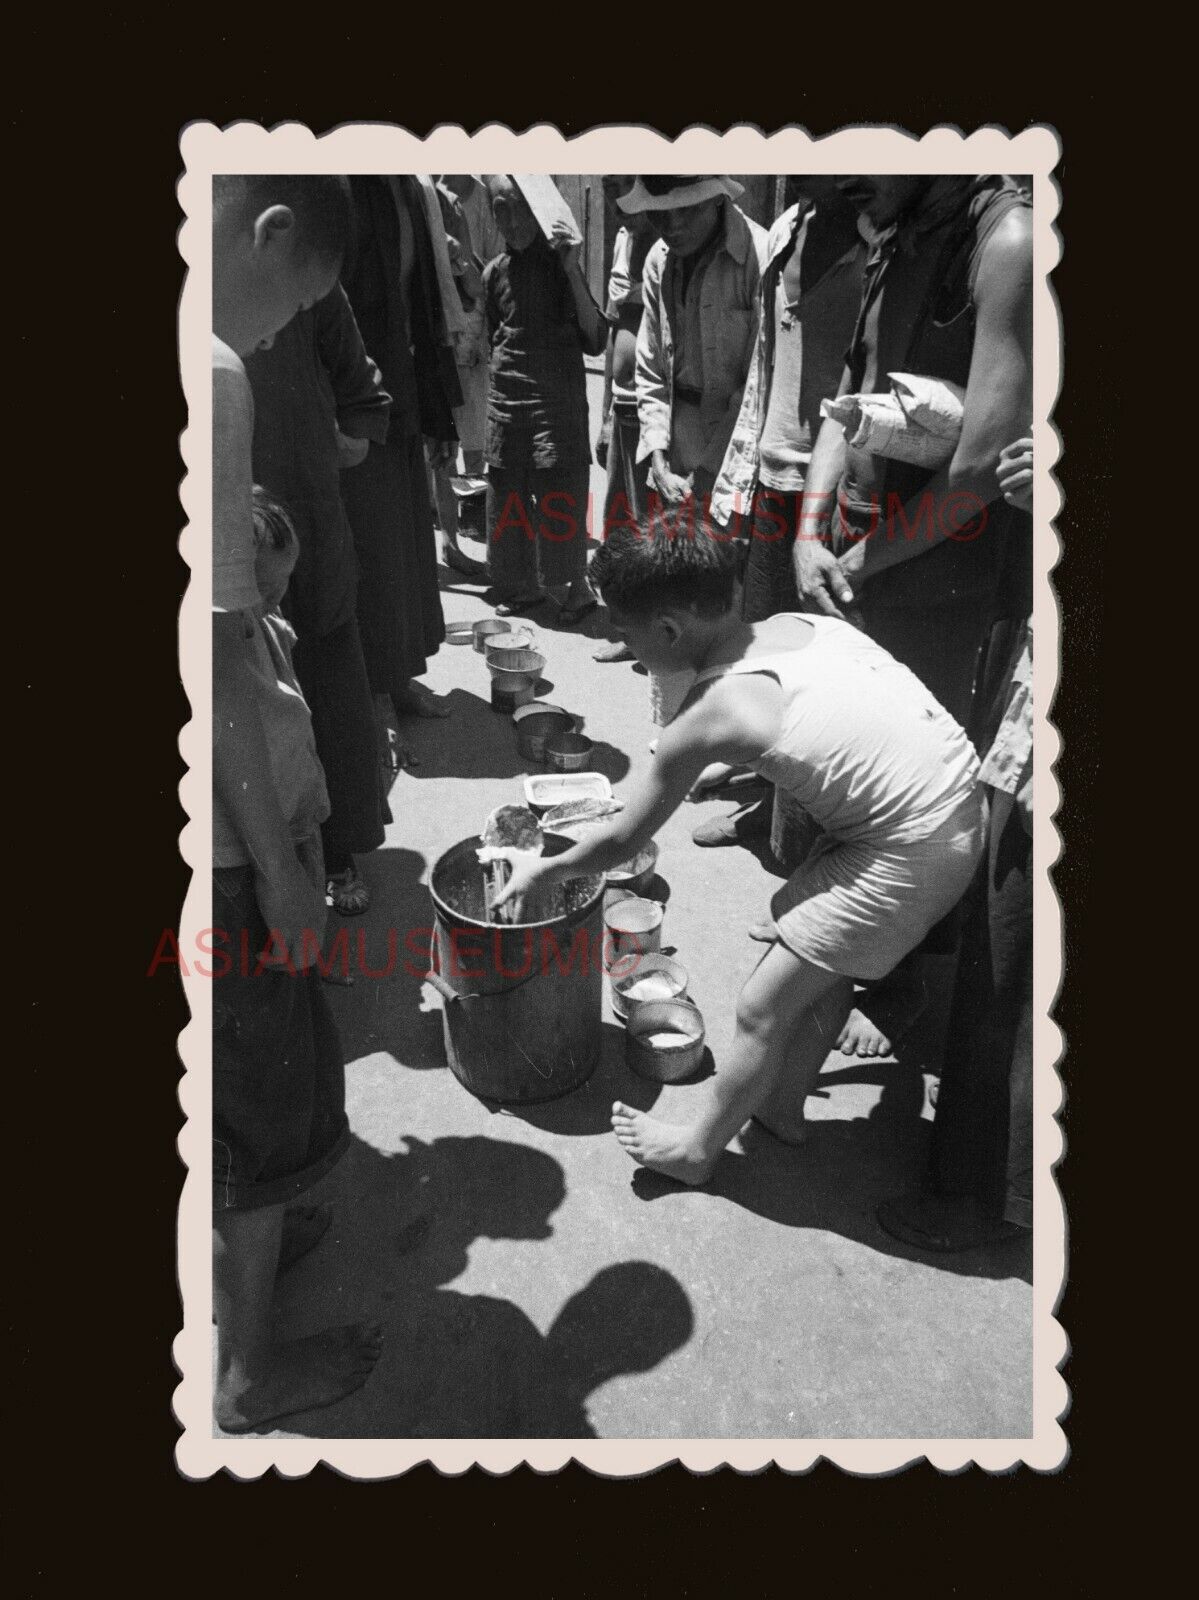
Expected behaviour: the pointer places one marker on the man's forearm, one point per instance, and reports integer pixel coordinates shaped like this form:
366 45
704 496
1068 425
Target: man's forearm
821 482
593 325
950 506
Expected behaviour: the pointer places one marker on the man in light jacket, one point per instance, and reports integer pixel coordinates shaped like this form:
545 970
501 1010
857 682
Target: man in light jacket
699 327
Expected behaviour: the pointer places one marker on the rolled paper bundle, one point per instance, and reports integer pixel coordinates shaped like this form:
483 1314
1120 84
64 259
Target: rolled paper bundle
934 404
878 423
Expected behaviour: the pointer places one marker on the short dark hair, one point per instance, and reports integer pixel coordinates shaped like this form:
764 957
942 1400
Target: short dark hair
272 520
647 568
321 203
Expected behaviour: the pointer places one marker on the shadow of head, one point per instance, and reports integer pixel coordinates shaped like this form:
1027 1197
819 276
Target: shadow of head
628 1318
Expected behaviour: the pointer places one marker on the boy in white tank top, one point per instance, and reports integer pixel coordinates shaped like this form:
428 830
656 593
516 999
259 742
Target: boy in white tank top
821 710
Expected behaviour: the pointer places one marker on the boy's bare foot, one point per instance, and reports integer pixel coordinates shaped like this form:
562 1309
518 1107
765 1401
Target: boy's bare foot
765 932
860 1037
892 1007
303 1229
301 1376
664 1146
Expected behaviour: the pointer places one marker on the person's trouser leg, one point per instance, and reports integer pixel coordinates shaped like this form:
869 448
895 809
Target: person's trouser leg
986 1075
560 519
332 673
940 645
511 529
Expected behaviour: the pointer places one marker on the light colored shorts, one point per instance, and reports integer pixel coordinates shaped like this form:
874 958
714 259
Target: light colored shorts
858 908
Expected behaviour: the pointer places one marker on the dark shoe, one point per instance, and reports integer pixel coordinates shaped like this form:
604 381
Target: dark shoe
751 822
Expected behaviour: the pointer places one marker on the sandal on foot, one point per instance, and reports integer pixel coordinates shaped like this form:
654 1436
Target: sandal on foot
347 893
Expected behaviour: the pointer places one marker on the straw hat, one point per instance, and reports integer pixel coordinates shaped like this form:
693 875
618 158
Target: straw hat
684 191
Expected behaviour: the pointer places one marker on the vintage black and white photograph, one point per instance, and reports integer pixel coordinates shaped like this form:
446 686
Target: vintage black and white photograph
620 946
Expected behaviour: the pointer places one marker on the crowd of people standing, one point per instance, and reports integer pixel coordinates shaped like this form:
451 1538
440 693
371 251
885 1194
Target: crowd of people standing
378 340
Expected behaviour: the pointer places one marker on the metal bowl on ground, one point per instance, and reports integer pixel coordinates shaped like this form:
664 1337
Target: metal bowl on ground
528 661
664 1040
509 697
487 629
632 927
568 752
646 980
460 633
509 649
535 724
636 875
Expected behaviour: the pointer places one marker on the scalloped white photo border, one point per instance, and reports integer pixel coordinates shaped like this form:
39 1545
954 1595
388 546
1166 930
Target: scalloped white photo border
378 147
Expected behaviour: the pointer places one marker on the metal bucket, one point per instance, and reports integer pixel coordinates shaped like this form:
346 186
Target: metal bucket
673 1019
632 927
523 1002
568 752
536 724
487 629
631 971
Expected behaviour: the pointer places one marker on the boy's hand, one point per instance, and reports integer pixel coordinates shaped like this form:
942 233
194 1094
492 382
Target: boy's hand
604 440
673 489
1014 474
350 452
294 909
567 245
525 875
820 578
442 452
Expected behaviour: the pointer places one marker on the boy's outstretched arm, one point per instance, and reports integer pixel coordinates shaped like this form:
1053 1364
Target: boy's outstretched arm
713 728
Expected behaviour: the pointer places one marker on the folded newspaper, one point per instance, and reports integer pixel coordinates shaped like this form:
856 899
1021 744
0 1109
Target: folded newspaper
546 202
919 420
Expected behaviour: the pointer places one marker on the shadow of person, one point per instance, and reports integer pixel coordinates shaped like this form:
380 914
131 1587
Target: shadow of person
458 1365
472 742
835 1179
386 952
627 1320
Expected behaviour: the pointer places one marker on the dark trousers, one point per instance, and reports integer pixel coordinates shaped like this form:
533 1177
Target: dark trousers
982 1134
940 644
278 1076
332 673
768 587
537 525
626 498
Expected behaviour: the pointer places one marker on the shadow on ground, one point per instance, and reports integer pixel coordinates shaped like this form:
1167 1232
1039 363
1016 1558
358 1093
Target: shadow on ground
845 1167
458 1365
476 742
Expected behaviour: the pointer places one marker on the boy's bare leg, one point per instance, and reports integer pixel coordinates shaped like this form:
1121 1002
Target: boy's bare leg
782 1112
785 1017
257 1379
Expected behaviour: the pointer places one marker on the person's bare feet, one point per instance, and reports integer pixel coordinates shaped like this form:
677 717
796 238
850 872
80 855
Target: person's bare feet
765 932
300 1376
860 1037
303 1229
414 700
888 1009
664 1146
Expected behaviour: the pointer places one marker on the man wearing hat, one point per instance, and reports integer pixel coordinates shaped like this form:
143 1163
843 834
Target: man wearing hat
700 292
